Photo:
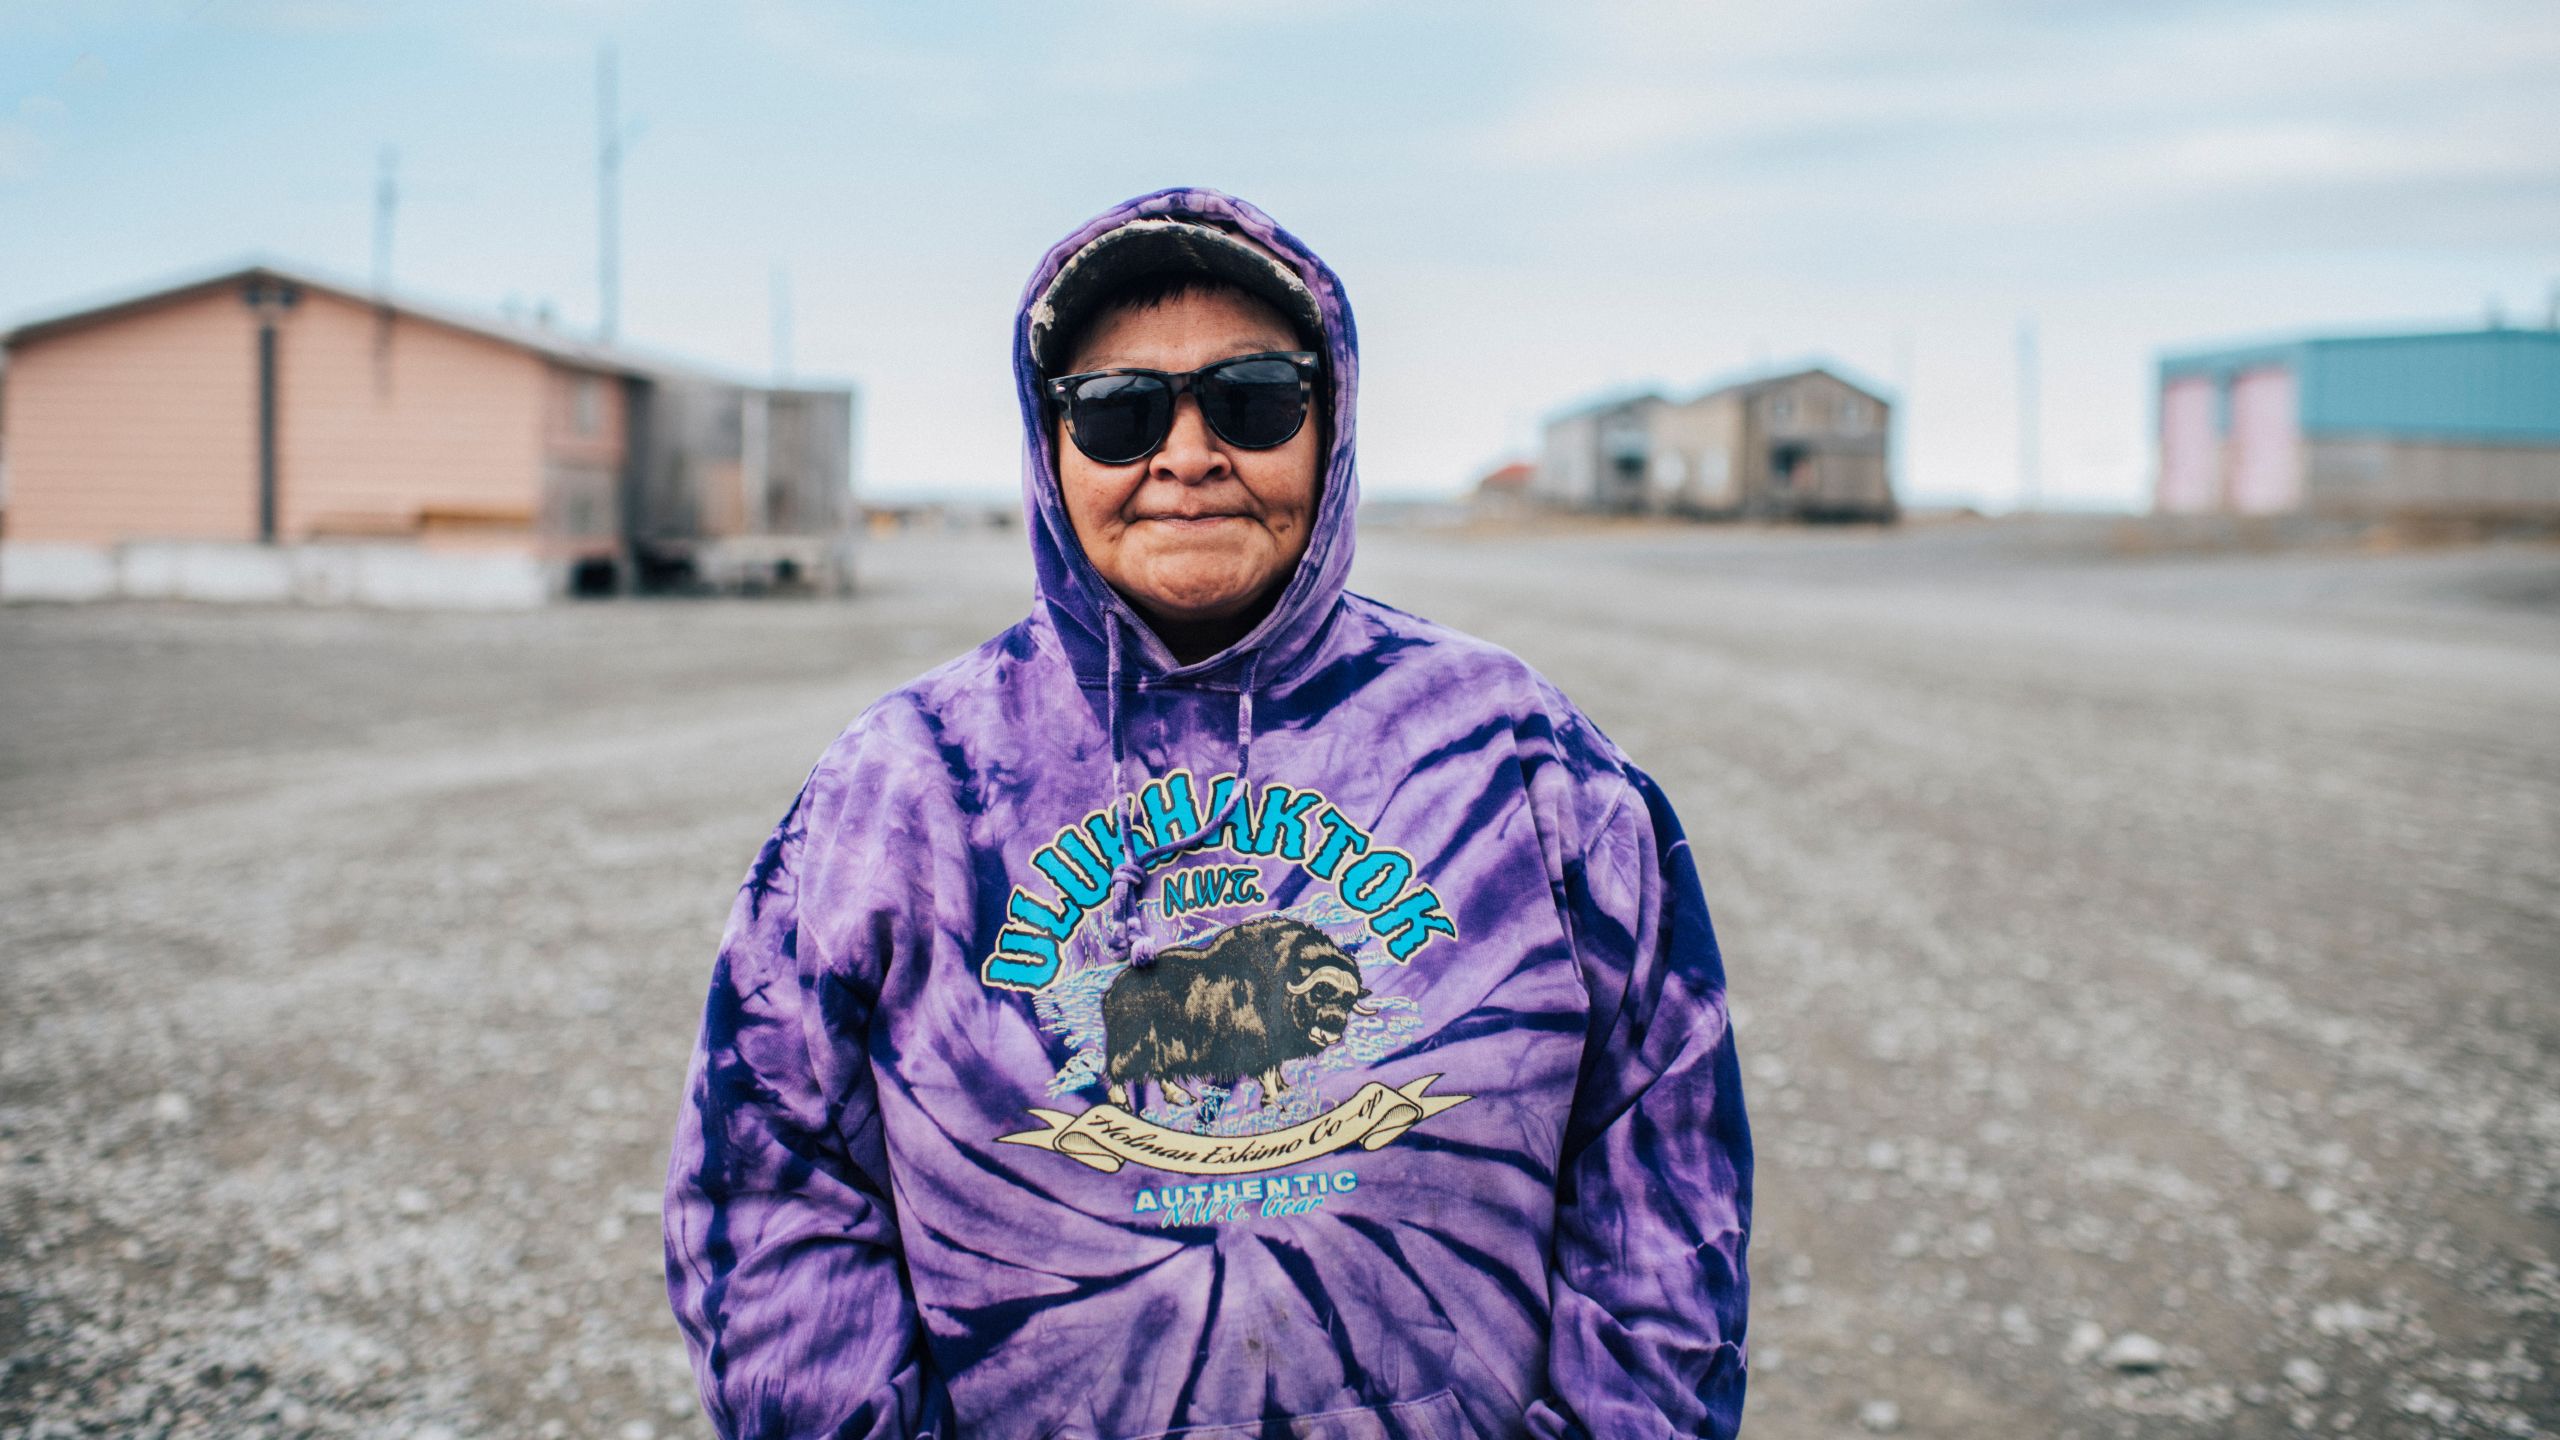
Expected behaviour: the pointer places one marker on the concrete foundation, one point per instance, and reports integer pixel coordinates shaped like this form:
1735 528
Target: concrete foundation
393 576
752 564
2386 475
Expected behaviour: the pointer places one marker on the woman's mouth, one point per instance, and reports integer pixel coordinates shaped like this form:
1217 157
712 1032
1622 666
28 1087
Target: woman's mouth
1190 522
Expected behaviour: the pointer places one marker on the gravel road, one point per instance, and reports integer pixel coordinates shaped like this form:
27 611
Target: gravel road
2147 969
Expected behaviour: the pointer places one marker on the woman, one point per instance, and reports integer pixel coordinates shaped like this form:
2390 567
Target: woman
1220 1004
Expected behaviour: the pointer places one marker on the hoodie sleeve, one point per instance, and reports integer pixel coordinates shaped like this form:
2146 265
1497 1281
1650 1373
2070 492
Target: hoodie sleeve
1648 1287
783 1258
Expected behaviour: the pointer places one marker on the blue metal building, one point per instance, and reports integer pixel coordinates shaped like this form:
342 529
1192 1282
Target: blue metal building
2465 423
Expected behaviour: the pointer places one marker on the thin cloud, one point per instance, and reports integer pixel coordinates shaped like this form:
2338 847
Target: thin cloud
22 152
1966 136
1666 85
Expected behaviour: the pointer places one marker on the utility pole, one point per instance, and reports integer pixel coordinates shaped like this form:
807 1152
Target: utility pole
1897 436
386 203
2030 457
781 323
608 198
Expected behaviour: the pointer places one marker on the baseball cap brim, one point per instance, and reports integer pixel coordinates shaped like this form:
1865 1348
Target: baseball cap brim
1109 262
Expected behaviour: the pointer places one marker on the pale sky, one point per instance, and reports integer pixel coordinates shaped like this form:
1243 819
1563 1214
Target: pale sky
1528 203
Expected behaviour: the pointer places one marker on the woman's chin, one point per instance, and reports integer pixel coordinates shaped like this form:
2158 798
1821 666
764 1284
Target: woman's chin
1195 593
1194 604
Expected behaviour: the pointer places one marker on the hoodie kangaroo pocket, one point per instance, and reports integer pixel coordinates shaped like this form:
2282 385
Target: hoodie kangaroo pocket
1433 1417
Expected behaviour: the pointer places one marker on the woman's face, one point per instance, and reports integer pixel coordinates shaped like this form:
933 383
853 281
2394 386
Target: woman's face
1198 531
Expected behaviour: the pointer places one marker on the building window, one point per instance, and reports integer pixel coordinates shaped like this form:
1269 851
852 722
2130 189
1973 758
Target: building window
1782 408
1625 440
586 404
1853 416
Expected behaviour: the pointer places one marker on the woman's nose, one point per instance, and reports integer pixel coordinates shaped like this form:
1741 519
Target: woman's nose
1190 453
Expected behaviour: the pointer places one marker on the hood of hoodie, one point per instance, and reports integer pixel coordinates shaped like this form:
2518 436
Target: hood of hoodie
1081 607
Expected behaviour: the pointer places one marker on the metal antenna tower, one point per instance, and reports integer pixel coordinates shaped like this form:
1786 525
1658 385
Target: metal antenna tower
608 199
2030 456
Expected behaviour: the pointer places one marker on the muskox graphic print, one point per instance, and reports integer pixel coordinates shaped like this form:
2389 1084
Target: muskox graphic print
1247 1044
1256 996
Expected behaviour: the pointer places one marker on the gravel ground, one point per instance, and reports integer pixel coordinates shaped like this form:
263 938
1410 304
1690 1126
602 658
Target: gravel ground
2145 968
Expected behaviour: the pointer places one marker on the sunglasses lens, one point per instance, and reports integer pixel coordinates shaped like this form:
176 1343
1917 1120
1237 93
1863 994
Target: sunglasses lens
1119 418
1255 403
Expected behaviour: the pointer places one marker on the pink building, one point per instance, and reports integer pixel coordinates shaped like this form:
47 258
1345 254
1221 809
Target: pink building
263 435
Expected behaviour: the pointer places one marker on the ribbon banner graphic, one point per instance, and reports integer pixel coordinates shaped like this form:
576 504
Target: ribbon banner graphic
1107 1136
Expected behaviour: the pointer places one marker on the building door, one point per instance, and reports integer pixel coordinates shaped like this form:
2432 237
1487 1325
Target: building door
2266 442
1791 472
2190 448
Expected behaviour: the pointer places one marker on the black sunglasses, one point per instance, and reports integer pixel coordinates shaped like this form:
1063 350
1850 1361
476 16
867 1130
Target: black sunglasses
1119 417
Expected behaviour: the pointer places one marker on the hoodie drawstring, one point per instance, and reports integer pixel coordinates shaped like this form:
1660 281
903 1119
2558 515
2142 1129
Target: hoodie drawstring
1129 877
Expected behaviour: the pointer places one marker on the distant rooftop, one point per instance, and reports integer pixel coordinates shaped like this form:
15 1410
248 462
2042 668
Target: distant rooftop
1619 397
1758 377
2244 353
544 339
1761 377
2496 385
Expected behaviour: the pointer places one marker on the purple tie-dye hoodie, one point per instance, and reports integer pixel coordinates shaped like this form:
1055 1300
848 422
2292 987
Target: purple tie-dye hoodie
1416 1114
